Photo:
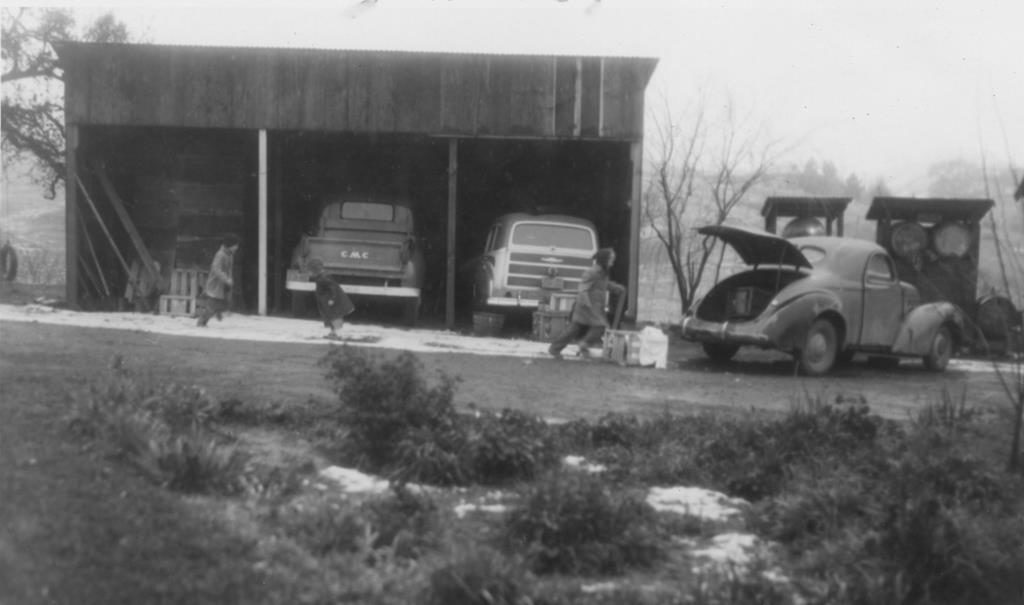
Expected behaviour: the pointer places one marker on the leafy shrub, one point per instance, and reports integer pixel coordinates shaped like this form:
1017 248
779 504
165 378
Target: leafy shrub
753 458
615 430
385 401
480 576
507 446
425 455
407 522
402 426
194 463
573 523
159 430
326 527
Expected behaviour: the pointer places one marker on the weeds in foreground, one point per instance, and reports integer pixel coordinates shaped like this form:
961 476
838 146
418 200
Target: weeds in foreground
161 430
575 523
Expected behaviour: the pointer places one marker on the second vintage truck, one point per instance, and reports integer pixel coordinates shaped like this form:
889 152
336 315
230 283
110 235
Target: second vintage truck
369 245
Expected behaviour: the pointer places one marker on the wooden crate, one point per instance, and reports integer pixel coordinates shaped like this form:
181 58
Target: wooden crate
183 292
622 347
561 302
178 305
549 325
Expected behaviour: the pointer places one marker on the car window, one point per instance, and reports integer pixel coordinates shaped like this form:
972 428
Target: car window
366 211
560 236
879 268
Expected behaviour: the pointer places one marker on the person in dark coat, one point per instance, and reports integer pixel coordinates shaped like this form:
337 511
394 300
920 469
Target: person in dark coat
331 300
588 320
217 291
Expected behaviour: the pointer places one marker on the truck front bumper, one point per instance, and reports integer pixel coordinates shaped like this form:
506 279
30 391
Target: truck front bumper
395 291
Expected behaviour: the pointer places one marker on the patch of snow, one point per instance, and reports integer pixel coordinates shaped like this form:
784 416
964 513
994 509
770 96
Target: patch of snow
695 501
598 587
282 329
579 462
464 507
353 481
482 505
730 548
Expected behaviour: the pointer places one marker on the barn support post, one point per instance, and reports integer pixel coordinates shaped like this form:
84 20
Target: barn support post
261 268
636 156
449 287
71 217
278 269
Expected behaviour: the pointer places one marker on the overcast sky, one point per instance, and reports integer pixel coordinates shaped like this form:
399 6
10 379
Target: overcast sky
881 88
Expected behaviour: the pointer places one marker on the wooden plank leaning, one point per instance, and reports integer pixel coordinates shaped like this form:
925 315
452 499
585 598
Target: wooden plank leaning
129 226
99 219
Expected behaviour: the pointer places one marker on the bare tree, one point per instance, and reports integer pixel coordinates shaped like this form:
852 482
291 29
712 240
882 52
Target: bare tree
693 181
32 115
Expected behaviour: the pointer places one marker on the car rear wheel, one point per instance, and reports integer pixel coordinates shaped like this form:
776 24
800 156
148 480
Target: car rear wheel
820 349
940 350
719 352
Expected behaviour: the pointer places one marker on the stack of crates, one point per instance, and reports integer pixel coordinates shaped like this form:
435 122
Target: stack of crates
186 284
552 317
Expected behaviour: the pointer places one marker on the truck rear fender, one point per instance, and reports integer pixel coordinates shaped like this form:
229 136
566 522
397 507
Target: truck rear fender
919 327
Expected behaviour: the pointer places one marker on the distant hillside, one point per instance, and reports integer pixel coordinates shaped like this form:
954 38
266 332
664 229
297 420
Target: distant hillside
34 226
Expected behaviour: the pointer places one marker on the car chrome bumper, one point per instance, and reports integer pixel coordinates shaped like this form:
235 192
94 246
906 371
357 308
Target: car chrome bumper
745 333
503 301
396 291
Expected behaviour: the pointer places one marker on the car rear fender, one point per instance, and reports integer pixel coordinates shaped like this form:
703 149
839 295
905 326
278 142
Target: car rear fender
787 323
921 324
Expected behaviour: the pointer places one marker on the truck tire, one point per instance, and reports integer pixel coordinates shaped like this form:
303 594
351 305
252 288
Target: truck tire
9 262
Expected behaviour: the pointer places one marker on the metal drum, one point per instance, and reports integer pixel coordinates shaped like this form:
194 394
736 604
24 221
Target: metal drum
803 227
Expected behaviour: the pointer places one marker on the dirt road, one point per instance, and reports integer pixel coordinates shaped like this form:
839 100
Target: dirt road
568 389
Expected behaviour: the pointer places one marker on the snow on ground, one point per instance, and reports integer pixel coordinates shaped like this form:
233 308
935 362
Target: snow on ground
311 331
281 329
696 501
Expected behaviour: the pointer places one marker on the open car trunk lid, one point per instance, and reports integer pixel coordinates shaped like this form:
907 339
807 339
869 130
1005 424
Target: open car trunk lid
757 247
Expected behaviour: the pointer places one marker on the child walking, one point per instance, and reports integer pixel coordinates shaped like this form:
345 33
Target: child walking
214 300
588 319
331 300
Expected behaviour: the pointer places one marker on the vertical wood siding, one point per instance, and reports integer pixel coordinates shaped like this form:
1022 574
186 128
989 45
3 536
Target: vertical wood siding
353 91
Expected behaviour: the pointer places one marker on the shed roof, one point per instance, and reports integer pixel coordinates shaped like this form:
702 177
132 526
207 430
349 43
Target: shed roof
360 91
928 209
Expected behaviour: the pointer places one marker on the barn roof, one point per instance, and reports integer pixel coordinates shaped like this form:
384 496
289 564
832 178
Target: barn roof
357 91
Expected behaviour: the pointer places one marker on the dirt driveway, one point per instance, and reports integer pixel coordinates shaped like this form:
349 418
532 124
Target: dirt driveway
568 389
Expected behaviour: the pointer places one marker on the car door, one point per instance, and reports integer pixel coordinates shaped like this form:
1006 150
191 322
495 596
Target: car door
882 303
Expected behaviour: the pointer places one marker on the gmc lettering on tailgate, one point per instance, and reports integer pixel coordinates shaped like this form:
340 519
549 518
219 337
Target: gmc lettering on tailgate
355 254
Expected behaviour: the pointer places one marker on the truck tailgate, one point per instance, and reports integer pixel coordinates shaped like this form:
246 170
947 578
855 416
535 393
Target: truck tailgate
359 255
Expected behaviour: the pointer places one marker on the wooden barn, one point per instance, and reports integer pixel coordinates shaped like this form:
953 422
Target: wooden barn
169 147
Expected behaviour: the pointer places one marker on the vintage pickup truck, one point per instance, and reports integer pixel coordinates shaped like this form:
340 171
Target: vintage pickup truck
369 246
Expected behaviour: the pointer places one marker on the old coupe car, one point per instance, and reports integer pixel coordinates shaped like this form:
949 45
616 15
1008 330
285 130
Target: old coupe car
822 299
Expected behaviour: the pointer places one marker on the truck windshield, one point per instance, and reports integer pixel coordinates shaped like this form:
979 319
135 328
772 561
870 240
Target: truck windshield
365 211
556 236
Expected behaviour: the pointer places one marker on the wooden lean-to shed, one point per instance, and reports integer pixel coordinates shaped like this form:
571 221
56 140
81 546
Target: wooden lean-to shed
169 147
